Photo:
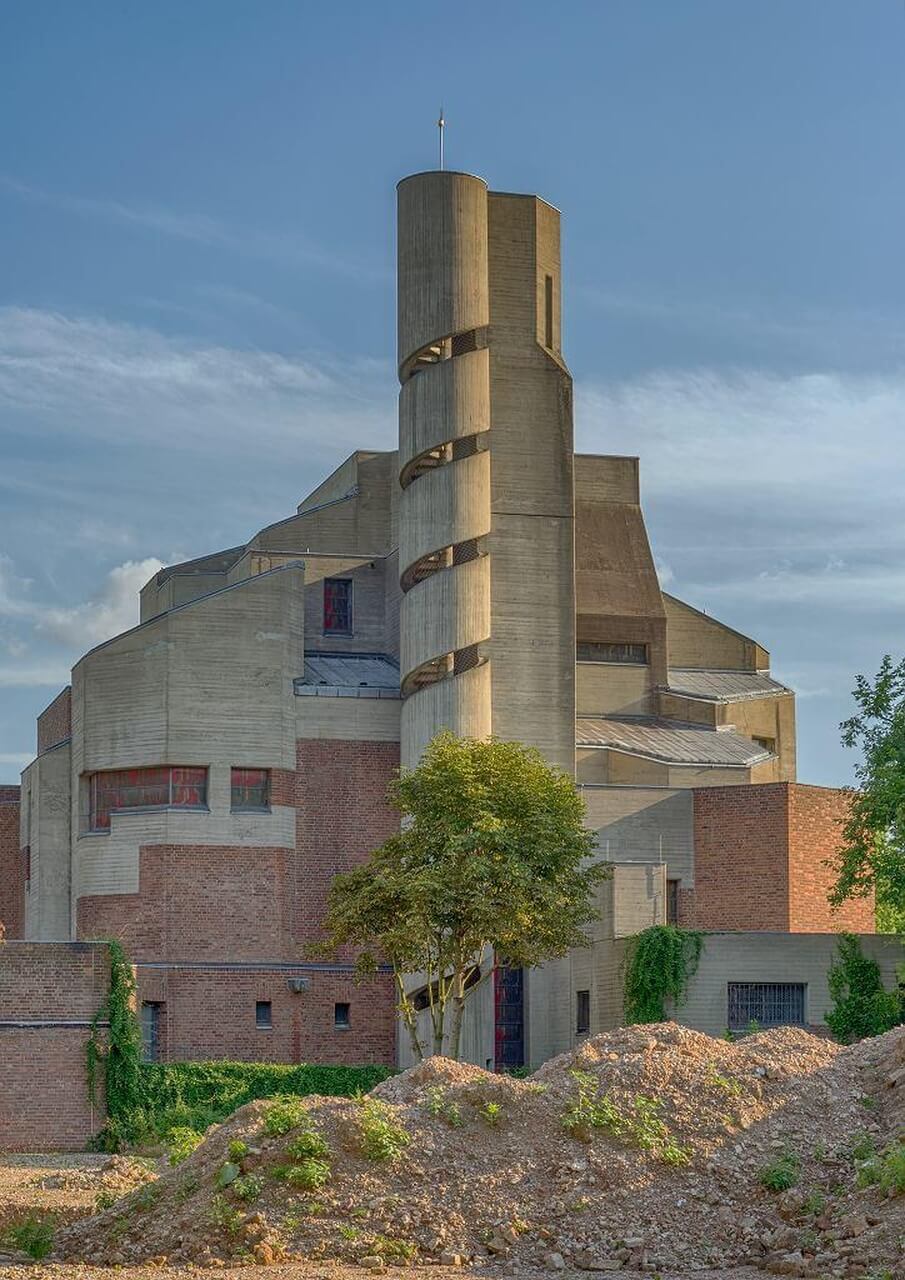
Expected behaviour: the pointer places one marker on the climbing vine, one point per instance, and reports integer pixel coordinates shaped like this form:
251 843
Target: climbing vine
658 966
122 1057
861 1004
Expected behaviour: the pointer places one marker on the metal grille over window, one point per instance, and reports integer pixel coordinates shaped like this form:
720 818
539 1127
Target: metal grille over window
766 1004
596 651
250 789
160 787
465 659
338 606
150 1031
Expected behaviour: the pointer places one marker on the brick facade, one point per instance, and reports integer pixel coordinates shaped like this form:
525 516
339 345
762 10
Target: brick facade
215 929
49 993
55 721
12 865
760 859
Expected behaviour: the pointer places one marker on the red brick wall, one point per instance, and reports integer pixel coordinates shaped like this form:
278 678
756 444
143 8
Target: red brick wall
741 864
12 865
210 1013
816 815
760 856
200 909
55 721
200 902
49 992
343 815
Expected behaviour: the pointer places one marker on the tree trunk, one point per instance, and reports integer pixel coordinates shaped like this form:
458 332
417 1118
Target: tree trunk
409 1017
455 1039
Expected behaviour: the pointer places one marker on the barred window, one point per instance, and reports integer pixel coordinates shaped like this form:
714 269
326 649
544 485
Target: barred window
250 789
160 787
263 1015
672 902
766 1004
338 606
596 651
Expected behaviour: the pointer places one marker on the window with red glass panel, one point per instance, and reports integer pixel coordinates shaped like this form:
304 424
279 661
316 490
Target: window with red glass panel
338 606
160 787
250 789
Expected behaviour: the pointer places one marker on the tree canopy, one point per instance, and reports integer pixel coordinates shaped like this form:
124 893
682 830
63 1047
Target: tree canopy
492 855
872 856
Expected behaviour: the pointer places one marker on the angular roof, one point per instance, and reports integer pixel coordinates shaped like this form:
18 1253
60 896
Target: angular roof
672 741
362 674
724 686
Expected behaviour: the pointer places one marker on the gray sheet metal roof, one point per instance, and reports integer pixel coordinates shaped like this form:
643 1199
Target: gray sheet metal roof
671 741
366 675
724 686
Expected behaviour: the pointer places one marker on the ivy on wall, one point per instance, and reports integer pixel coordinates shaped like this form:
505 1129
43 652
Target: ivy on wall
119 1052
861 1004
658 966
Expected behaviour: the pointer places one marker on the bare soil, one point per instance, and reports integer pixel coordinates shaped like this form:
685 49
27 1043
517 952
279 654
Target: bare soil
494 1179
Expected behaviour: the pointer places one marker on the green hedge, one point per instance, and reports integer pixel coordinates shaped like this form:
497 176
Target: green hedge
196 1094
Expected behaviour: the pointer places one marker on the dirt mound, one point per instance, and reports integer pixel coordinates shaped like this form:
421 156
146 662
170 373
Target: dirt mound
645 1148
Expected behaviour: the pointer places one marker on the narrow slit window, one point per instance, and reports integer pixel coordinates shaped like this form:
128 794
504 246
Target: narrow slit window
338 606
672 902
263 1015
548 311
582 1012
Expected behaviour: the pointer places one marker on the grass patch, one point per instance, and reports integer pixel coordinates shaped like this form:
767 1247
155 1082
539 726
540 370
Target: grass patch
34 1235
781 1174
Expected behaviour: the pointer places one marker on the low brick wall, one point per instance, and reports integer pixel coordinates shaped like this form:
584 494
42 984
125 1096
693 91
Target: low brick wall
49 993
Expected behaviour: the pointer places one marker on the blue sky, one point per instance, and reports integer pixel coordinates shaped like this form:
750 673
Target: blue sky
197 312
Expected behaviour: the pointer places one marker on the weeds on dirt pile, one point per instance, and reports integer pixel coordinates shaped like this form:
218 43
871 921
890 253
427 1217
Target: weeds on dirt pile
637 1123
782 1174
34 1236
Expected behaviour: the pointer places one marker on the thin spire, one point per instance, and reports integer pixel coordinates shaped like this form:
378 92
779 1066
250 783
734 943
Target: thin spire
441 125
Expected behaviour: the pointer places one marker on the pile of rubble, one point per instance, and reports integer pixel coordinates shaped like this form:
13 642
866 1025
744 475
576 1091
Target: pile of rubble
650 1148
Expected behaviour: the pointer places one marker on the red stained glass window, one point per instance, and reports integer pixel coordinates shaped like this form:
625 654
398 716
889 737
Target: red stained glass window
250 789
338 606
161 787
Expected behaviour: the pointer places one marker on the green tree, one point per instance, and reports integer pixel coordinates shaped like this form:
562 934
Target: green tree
492 854
872 856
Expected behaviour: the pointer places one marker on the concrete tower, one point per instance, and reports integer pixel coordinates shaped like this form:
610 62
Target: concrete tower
487 641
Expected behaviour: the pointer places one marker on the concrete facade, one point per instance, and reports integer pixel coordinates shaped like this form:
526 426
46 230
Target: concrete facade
209 771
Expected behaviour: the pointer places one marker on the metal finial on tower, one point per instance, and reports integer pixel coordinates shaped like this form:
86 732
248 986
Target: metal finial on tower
441 125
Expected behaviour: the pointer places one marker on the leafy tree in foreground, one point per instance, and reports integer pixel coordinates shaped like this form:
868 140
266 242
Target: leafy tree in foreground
872 857
492 854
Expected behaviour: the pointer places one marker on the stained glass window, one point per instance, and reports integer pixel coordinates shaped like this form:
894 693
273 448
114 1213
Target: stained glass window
160 787
338 606
250 789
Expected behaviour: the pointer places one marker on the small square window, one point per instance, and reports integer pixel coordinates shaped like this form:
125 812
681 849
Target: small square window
250 789
263 1015
582 1012
338 606
342 1016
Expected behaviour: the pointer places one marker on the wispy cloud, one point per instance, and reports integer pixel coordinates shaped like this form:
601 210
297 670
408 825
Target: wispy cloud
18 758
73 628
120 382
289 249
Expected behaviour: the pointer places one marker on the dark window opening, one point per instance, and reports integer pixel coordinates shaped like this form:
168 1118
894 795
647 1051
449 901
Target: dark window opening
766 1004
26 853
150 1030
342 1015
672 901
338 606
263 1015
548 311
768 744
596 651
509 1017
582 1012
462 343
421 999
250 789
161 787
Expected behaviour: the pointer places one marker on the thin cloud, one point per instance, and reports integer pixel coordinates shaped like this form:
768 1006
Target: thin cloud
197 228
